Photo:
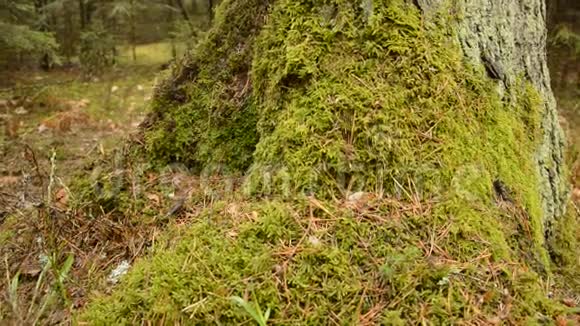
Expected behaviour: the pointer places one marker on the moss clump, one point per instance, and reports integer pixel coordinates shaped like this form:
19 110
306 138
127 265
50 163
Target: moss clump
349 96
319 262
205 114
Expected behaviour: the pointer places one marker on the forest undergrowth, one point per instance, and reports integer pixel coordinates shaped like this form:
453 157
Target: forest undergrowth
88 194
52 122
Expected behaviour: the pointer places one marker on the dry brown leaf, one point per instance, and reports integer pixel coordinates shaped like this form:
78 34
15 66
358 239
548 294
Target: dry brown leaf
576 194
561 321
61 198
8 180
154 198
569 302
30 267
488 296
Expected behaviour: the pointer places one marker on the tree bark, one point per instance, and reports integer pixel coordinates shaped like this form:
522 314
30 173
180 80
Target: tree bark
513 35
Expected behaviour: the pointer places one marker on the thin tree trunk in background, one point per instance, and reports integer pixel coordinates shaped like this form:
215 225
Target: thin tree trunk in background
185 14
86 9
69 34
169 19
82 15
210 5
114 31
40 8
133 32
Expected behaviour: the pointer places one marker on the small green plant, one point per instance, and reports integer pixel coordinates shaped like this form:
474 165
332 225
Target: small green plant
96 50
60 275
253 309
13 292
35 311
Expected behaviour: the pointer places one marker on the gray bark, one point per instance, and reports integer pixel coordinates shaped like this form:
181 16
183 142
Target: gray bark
509 38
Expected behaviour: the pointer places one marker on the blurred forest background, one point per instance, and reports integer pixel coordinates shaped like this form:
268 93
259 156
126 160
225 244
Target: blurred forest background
76 75
564 61
95 34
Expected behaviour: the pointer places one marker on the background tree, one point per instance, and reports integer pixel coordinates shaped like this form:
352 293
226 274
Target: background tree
24 33
50 29
564 18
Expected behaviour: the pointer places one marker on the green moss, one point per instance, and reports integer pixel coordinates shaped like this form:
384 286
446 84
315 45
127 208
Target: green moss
7 231
565 252
385 95
343 267
217 125
346 98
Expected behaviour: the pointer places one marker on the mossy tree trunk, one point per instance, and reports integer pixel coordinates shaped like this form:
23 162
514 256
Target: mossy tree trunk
510 37
402 159
507 38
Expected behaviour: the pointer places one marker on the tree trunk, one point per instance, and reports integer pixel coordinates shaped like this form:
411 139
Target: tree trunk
40 8
403 159
69 34
210 5
82 14
133 30
86 10
513 36
185 15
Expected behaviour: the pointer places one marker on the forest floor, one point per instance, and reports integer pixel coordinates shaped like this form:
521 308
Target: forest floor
53 122
58 114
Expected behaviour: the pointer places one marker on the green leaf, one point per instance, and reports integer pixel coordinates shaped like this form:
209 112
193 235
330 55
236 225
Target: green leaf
253 310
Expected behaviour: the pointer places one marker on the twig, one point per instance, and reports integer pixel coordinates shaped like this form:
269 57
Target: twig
36 166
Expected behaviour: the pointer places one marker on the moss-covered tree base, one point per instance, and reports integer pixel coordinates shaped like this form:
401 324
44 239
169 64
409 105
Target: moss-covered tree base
364 262
405 180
